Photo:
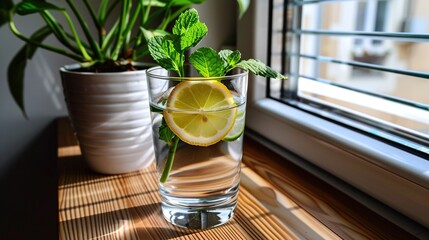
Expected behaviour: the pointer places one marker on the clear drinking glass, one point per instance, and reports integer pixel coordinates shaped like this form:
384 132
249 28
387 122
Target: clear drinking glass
200 190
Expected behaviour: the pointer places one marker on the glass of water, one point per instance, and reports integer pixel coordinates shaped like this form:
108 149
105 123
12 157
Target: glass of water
198 126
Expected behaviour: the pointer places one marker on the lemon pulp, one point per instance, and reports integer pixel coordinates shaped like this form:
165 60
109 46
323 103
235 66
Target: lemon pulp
200 113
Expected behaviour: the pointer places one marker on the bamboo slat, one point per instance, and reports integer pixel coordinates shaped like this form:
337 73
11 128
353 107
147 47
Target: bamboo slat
271 205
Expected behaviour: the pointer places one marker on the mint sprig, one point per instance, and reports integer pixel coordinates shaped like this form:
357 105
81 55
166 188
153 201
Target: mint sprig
164 52
169 52
207 62
230 59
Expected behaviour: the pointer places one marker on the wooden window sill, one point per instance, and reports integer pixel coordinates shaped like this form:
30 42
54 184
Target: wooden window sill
277 200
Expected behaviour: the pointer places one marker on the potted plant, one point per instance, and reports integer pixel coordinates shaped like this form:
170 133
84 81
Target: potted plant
105 91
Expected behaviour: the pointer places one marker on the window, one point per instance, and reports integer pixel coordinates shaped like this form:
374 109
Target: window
356 104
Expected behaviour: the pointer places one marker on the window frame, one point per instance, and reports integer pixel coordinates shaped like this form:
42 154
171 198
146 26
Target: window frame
389 174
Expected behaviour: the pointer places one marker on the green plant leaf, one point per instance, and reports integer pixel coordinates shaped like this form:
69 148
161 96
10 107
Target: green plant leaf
140 52
155 3
192 36
33 6
207 62
148 33
243 5
185 21
5 7
230 58
142 49
16 69
259 68
182 2
165 133
189 30
164 53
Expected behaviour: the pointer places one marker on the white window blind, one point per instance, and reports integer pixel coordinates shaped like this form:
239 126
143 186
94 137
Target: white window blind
364 60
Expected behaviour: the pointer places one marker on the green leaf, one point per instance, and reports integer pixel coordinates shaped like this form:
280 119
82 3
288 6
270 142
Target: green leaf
16 69
243 5
148 34
102 10
182 2
259 68
165 133
140 52
32 6
154 3
207 62
189 29
230 58
193 36
142 49
5 7
164 53
185 21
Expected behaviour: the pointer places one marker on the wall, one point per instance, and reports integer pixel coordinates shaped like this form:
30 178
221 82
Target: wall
27 147
27 160
43 97
220 18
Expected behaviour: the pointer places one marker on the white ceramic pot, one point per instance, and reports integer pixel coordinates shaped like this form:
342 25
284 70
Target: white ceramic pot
111 118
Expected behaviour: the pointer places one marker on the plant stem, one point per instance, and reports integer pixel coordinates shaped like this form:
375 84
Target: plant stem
84 25
173 16
146 12
47 47
131 24
112 6
95 20
123 21
58 31
76 37
170 159
108 39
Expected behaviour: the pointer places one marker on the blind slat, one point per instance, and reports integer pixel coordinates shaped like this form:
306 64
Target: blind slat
398 35
390 98
365 65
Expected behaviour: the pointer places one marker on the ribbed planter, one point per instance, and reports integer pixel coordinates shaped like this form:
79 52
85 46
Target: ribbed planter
111 118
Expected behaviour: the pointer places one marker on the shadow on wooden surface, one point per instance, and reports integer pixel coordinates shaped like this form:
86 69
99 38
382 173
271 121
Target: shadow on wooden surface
29 194
337 211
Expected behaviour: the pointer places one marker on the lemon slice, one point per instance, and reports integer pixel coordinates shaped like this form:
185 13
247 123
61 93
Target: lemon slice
238 128
200 113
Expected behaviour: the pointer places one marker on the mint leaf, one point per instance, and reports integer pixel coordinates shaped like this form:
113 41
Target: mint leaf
165 133
185 21
189 30
164 53
230 59
149 33
259 68
192 36
207 62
